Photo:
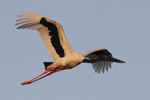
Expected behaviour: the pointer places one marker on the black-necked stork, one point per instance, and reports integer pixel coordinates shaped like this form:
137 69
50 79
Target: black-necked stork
58 47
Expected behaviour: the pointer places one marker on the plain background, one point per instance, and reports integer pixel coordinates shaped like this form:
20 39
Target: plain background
121 26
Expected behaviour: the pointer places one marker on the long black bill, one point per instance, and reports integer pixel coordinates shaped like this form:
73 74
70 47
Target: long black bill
116 60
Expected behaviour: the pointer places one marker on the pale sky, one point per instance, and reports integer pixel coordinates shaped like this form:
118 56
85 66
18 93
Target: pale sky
121 26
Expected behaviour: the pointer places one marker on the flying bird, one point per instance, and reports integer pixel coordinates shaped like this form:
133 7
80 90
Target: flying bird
60 50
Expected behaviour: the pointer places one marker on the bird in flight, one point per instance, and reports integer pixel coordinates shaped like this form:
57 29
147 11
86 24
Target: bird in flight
60 50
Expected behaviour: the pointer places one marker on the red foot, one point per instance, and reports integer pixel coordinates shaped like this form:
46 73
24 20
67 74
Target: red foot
27 82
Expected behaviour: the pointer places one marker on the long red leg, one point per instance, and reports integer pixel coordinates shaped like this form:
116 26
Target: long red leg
46 75
37 78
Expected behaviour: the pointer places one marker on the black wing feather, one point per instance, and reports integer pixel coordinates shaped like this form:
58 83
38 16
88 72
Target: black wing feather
55 38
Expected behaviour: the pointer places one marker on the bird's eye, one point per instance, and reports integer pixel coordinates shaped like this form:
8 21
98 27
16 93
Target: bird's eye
110 55
104 57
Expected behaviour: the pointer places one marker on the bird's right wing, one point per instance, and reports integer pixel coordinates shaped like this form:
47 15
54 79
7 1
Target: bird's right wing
50 31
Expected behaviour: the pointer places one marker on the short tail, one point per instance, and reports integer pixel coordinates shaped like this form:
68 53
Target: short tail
46 64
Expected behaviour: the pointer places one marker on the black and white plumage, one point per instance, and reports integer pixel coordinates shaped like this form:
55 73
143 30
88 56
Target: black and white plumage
58 47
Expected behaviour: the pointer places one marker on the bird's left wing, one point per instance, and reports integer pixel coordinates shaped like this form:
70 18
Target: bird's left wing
50 31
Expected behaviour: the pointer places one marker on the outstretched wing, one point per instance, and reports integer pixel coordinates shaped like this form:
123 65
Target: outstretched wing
101 58
50 31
